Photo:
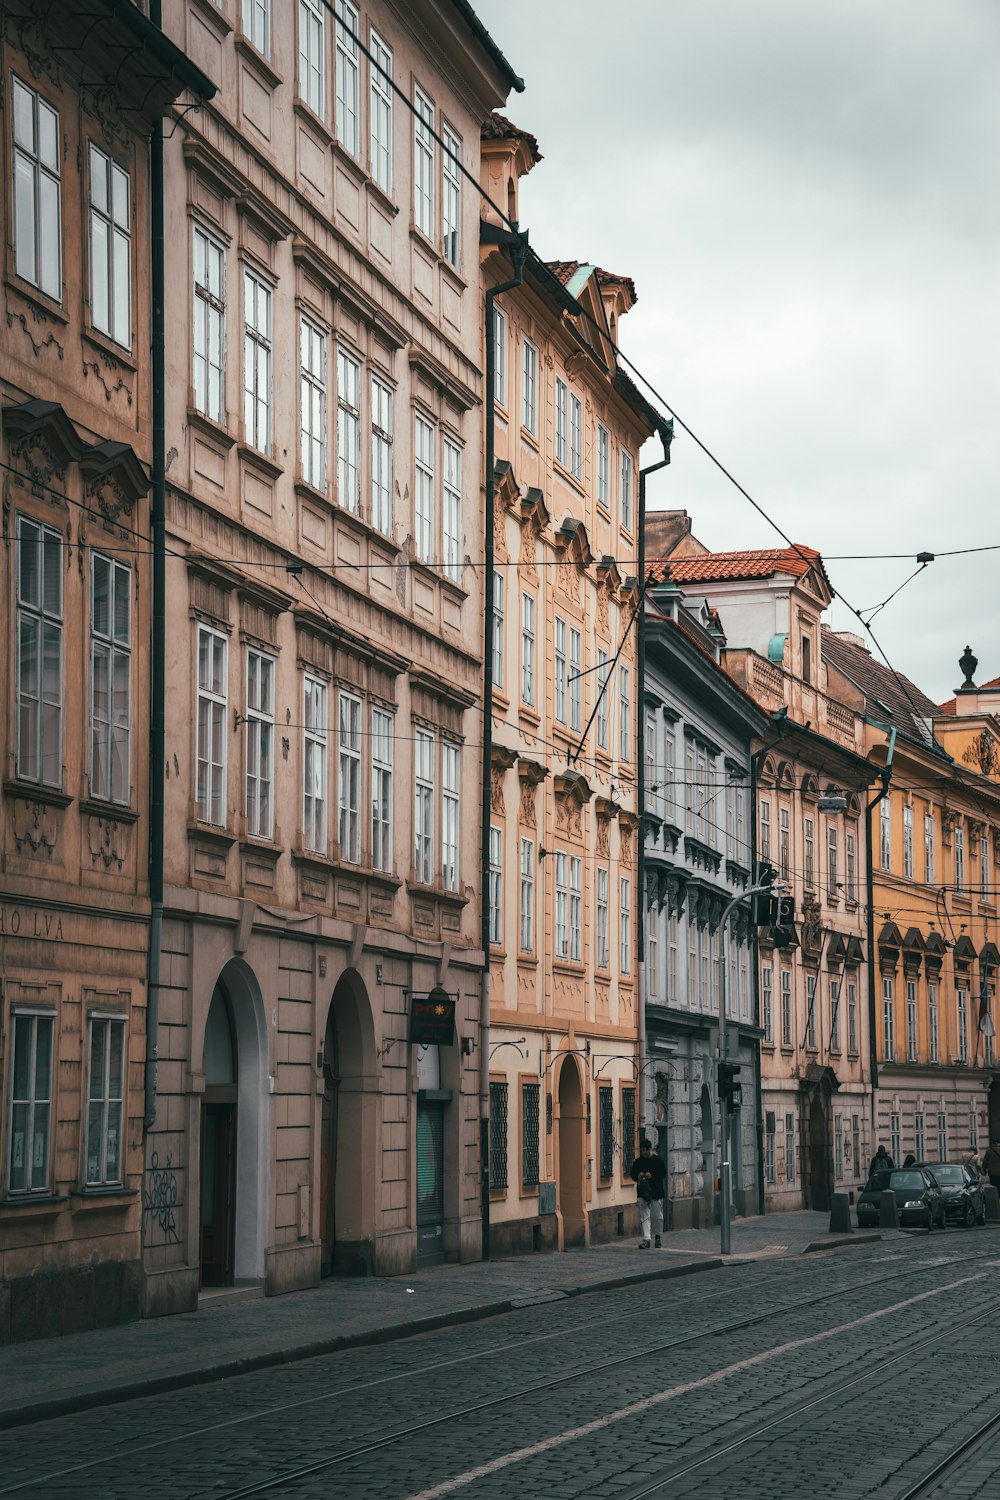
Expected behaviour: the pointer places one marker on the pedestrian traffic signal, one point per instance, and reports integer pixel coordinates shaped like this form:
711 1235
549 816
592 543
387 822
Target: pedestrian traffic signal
730 1088
783 921
766 876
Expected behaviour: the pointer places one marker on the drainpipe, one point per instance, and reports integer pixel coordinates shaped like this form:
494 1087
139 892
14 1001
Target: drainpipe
870 899
665 432
758 1087
517 248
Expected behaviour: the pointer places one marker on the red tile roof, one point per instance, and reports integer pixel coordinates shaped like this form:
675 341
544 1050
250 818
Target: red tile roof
499 128
716 567
565 270
951 707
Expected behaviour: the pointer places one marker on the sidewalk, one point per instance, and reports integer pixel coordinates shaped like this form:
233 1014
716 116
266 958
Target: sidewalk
51 1377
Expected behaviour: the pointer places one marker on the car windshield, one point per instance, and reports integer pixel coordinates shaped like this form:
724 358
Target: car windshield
949 1176
906 1180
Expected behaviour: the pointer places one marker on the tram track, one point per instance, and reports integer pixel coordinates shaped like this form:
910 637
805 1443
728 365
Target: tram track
952 1463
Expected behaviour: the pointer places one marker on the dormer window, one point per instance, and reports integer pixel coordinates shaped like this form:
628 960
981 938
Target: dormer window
806 659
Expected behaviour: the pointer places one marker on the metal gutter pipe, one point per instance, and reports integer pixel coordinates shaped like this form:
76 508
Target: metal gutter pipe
758 1086
870 901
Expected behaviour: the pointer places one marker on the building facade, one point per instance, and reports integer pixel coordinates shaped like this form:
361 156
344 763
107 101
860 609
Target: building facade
699 729
75 449
563 838
324 669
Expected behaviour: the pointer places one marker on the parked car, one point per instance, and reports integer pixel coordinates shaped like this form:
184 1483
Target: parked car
961 1190
919 1200
869 1203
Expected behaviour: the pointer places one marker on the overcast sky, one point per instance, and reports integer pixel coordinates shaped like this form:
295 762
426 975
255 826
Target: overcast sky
806 195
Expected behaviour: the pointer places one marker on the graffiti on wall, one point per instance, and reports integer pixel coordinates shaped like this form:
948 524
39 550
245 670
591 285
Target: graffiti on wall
159 1200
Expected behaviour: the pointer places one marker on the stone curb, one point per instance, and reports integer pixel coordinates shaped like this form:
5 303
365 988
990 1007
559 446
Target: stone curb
841 1242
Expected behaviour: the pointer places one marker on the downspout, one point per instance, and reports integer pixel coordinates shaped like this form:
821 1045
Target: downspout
870 900
758 1087
666 434
517 248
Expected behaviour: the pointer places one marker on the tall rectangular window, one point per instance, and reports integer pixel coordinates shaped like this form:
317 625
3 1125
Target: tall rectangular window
348 432
624 716
423 807
784 841
838 1147
381 456
312 54
933 1025
37 212
423 499
105 1101
260 744
496 885
381 113
257 25
452 511
349 804
811 1010
908 842
767 1003
810 852
606 1126
529 387
832 862
852 1017
39 653
110 248
960 861
919 1135
498 1135
527 933
348 90
973 1131
256 362
851 882
562 422
530 1123
449 814
929 848
208 334
856 1144
314 765
985 877
789 1148
786 1007
423 163
110 679
576 436
888 1020
31 1103
765 830
895 1136
559 684
499 590
575 679
451 196
528 649
834 1015
942 1136
499 356
911 1021
312 403
602 698
562 904
575 907
625 926
885 834
770 1166
212 726
626 491
603 466
963 1024
381 790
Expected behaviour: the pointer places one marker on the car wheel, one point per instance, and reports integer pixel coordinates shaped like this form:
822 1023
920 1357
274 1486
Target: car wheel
969 1218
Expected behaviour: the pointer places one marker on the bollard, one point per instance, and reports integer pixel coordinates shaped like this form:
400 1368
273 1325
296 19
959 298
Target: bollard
888 1213
840 1214
991 1202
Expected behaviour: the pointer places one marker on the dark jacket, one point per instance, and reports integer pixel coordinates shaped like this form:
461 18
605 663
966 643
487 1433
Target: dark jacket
651 1166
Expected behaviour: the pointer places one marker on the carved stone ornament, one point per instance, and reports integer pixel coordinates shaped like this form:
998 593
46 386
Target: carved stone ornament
812 926
602 837
982 754
528 789
496 790
105 835
35 829
625 847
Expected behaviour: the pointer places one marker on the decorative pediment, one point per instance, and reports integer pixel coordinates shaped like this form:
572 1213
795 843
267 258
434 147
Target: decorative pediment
810 787
502 756
606 809
785 775
913 940
855 954
935 949
608 575
989 954
965 952
115 479
572 786
505 488
43 441
836 949
534 510
890 936
571 539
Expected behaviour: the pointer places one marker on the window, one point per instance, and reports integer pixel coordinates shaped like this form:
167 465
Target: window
985 887
911 1021
529 387
603 466
449 814
628 1127
423 500
381 789
312 54
895 1137
770 1167
963 1025
973 1131
37 213
767 1003
451 204
348 432
499 585
786 1007
624 719
929 848
348 130
783 842
575 680
528 648
452 511
885 829
256 362
832 862
312 403
606 1123
888 1020
852 1017
851 891
960 861
212 726
810 847
834 1015
314 742
789 1148
672 943
806 659
602 698
562 905
423 808
496 885
110 679
933 1034
811 1011
626 491
423 164
105 1094
381 113
31 1103
559 688
499 356
527 933
942 1136
653 956
381 457
919 1136
260 744
209 332
498 1136
576 436
39 653
765 830
110 249
908 842
856 1144
838 1147
257 24
562 422
575 907
625 926
349 803
530 1121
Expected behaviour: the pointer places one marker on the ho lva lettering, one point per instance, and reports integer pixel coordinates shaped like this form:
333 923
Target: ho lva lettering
17 921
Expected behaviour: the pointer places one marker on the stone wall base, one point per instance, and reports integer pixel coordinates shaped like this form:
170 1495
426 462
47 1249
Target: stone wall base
174 1290
618 1221
538 1232
395 1254
54 1302
291 1268
687 1213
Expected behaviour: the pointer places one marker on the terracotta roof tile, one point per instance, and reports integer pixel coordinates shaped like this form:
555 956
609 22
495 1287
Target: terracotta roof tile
951 706
717 567
498 128
886 697
565 270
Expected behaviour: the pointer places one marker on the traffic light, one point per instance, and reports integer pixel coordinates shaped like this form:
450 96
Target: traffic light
730 1088
766 875
783 920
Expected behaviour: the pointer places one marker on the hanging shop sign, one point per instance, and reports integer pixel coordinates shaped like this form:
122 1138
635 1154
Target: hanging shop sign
432 1019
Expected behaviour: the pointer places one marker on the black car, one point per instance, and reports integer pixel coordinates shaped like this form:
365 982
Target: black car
961 1190
919 1200
869 1203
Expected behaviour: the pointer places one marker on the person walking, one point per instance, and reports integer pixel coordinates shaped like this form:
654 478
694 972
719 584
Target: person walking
881 1162
650 1176
991 1163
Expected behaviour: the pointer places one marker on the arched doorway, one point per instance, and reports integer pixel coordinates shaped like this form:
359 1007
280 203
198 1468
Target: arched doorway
348 1150
819 1187
572 1126
218 1145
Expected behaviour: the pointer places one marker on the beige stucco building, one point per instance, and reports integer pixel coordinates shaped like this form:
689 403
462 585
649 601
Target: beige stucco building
563 848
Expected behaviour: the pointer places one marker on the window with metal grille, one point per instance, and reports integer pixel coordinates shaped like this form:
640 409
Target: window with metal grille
498 1135
628 1127
530 1096
606 1117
